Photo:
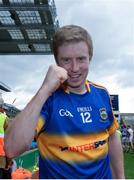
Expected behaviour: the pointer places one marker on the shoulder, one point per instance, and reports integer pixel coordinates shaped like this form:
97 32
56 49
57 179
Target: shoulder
130 130
99 91
97 86
59 93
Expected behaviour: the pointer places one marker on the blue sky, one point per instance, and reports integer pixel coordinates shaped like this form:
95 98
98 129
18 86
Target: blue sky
111 25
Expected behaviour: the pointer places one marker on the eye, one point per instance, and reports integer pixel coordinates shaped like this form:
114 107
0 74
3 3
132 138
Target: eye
82 58
66 60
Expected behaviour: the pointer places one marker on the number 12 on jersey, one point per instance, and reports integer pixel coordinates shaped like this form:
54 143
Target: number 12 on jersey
86 117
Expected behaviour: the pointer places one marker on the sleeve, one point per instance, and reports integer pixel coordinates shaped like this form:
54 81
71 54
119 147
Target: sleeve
113 121
112 129
40 124
43 118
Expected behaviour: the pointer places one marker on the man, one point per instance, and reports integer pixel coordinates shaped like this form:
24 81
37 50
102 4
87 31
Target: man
130 131
124 133
5 172
76 129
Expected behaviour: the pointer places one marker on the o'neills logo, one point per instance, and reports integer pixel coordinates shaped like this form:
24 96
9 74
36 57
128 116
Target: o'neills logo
84 147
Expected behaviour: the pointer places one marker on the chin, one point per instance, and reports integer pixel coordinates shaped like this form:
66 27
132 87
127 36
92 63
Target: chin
75 85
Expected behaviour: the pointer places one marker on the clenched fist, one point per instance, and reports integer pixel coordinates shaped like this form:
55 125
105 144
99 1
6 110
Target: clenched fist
55 76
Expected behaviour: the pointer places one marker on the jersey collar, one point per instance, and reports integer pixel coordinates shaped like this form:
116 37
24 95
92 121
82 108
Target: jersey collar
87 86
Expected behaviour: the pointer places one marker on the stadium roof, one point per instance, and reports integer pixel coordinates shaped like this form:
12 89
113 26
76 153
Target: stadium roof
27 26
4 87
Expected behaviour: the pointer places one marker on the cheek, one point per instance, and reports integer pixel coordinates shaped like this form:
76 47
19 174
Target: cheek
65 66
85 69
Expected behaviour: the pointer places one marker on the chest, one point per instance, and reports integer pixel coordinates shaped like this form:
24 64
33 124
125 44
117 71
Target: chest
75 114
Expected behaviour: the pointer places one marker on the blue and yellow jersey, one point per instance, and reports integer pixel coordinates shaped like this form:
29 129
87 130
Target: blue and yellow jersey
73 132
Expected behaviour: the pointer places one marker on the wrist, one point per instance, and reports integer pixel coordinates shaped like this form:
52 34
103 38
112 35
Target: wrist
43 94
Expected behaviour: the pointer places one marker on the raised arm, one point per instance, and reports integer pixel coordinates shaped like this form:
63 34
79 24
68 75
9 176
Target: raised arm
21 130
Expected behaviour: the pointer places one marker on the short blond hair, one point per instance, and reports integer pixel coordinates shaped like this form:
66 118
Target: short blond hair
71 33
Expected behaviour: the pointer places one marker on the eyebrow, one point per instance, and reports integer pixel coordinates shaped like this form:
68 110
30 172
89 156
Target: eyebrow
67 57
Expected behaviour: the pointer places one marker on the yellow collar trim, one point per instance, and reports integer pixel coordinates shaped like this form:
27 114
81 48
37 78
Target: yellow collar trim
87 86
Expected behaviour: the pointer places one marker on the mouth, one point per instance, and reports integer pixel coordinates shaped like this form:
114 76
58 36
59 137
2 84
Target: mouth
76 76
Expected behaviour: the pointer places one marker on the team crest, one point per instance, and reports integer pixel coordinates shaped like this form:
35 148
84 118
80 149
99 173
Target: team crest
103 114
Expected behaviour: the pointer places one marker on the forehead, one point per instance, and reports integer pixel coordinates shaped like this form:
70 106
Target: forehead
73 49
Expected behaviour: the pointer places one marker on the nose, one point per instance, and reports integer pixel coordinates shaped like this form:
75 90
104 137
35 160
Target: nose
75 66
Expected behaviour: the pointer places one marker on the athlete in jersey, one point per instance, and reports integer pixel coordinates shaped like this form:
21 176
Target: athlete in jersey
76 132
73 134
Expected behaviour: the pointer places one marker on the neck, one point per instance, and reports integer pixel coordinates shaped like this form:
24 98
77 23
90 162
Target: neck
77 90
